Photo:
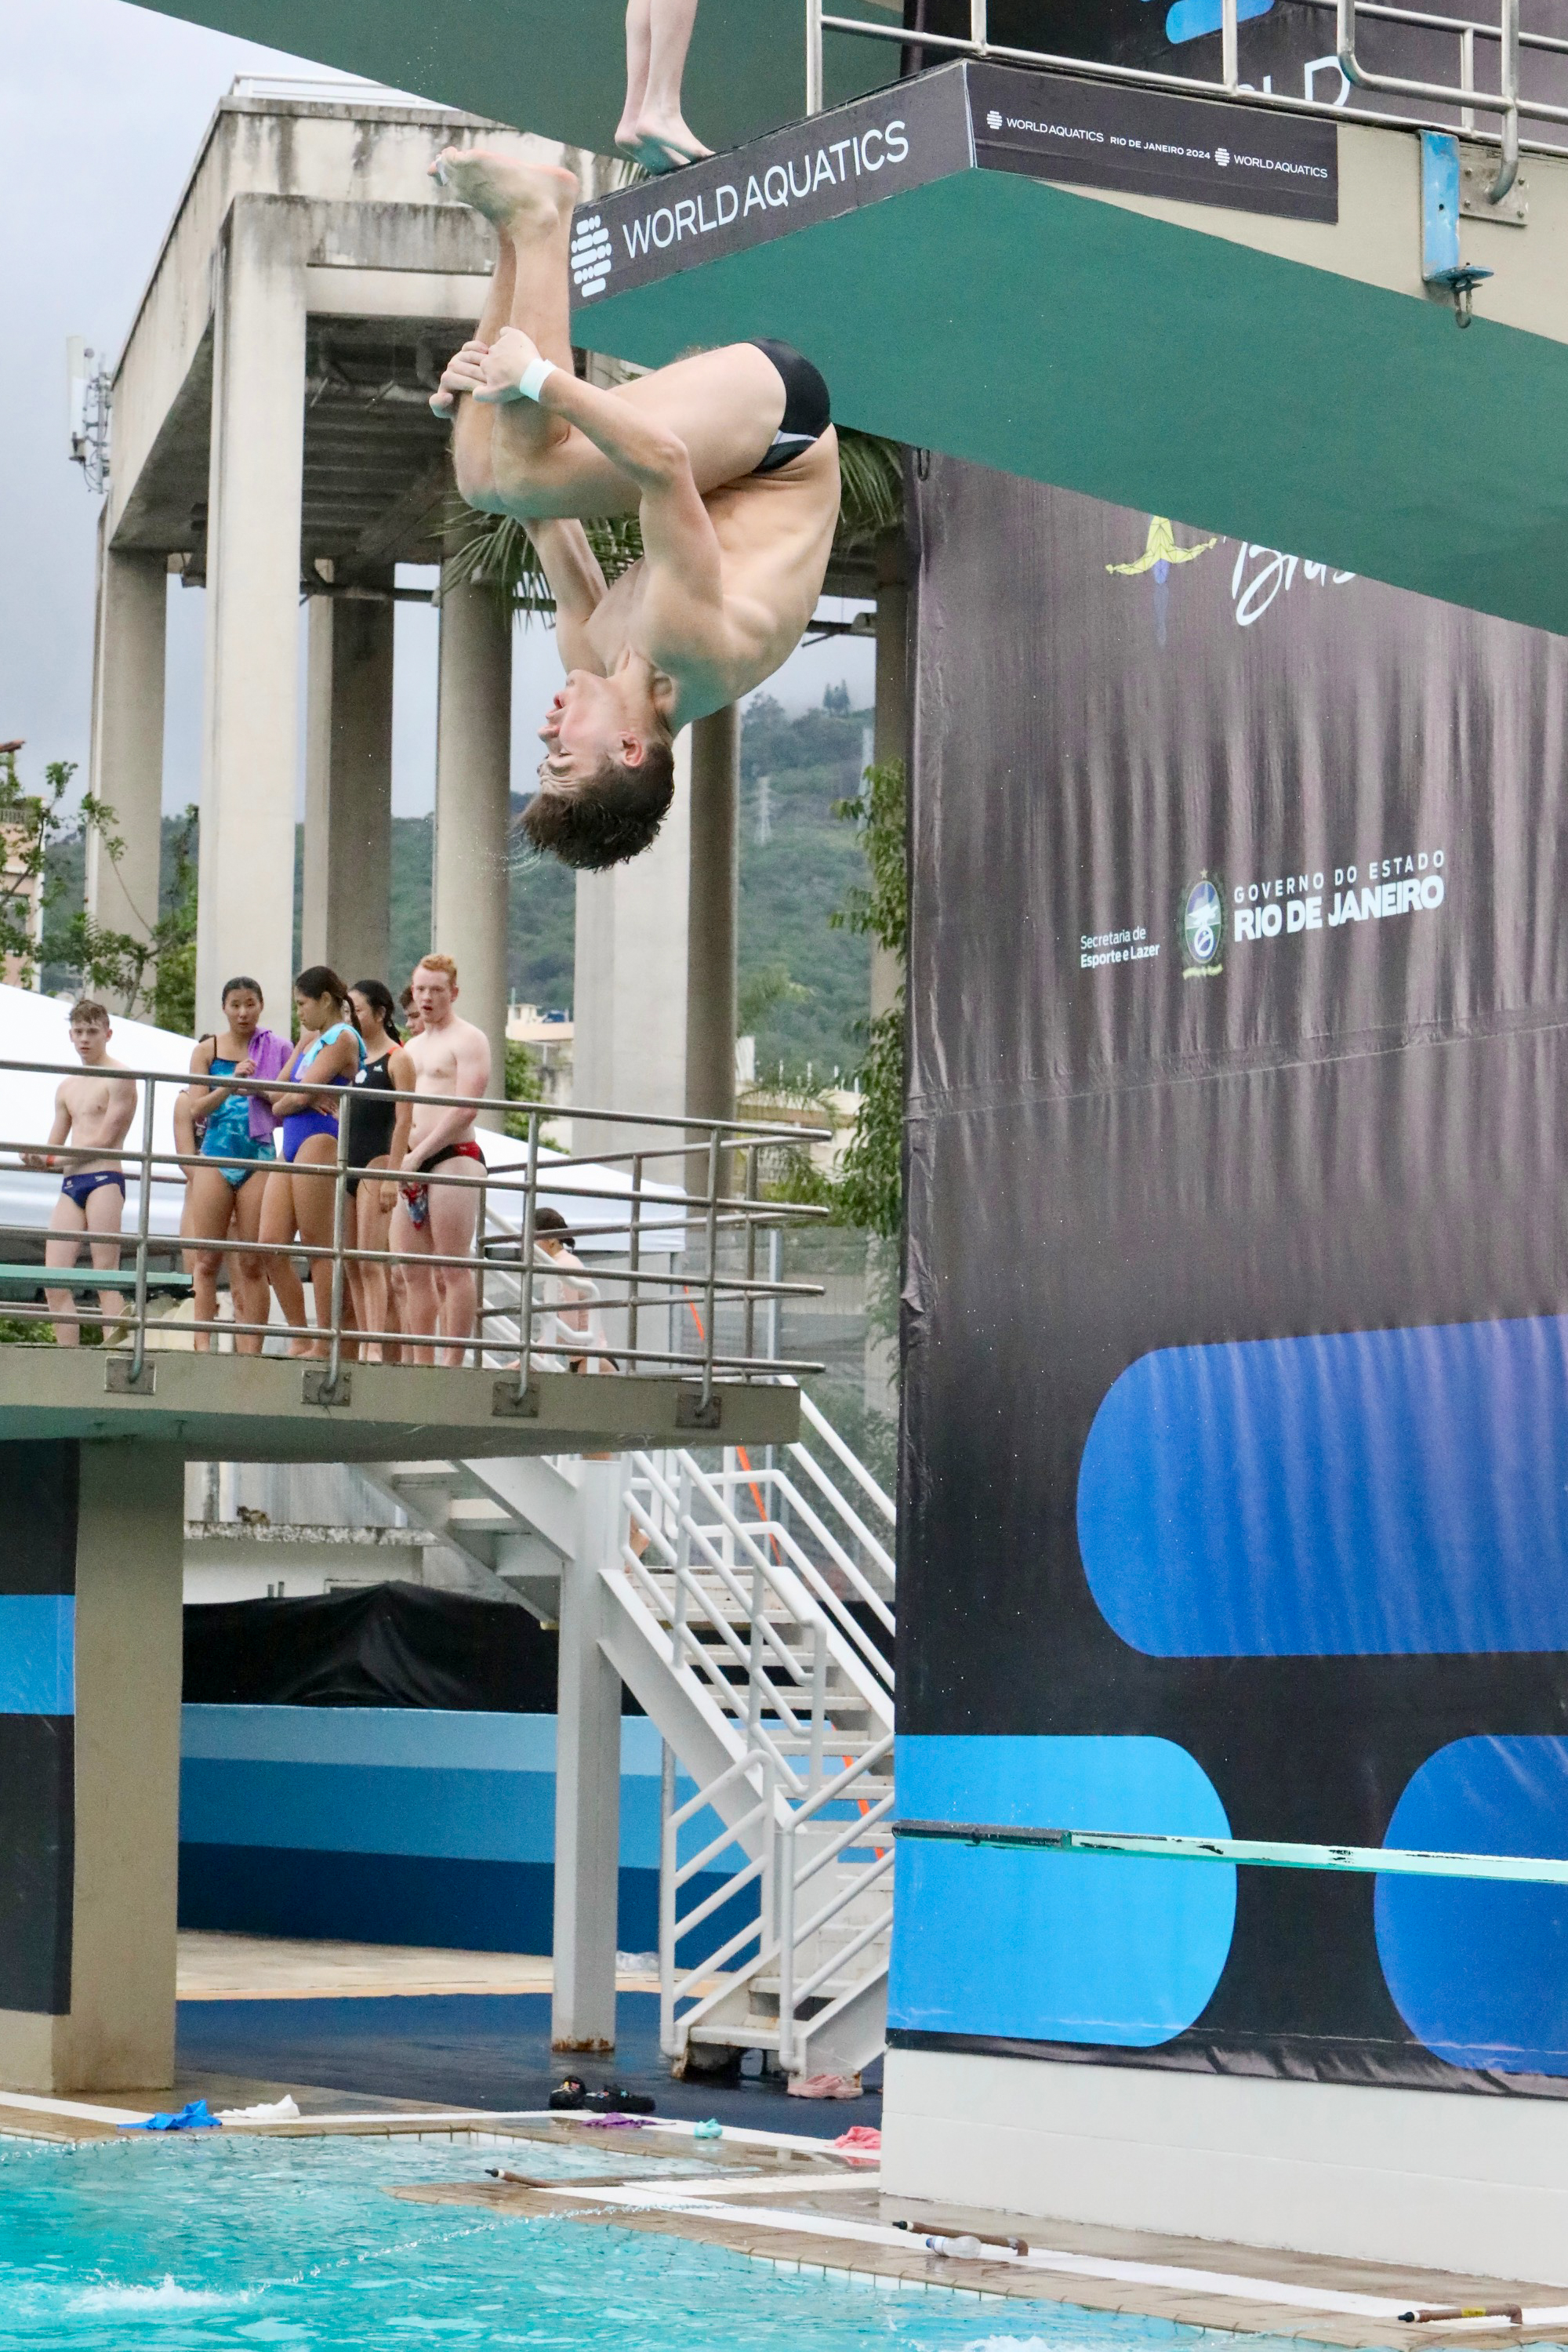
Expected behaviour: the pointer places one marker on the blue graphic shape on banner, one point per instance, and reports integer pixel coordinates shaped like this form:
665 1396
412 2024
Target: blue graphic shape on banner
1479 1971
1382 1494
38 1653
1054 1948
1190 19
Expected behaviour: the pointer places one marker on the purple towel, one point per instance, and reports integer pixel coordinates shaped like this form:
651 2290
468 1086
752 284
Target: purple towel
269 1052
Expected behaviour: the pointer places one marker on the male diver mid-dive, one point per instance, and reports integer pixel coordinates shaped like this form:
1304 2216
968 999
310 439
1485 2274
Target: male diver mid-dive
729 460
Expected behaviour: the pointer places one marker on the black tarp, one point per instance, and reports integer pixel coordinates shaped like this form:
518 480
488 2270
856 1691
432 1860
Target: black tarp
1290 1187
385 1645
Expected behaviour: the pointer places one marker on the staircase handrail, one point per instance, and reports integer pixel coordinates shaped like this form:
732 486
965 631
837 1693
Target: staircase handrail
791 1587
779 1946
808 1569
790 1583
791 1994
672 1875
818 1420
833 1792
852 1519
787 1586
689 1588
852 1834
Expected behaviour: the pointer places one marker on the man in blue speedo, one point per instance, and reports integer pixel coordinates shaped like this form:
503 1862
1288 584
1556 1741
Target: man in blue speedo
92 1112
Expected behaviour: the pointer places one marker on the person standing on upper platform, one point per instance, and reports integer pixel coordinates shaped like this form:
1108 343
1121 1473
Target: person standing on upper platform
448 1055
730 462
652 128
92 1114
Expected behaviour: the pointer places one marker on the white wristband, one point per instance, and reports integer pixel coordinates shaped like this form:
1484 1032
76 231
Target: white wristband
532 381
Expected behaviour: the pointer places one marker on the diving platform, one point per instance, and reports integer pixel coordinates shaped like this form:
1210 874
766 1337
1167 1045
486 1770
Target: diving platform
1207 309
92 1453
288 1409
663 1334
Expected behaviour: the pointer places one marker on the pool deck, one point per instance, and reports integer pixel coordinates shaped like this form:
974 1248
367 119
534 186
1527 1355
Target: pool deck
796 2205
798 2233
784 2199
220 1967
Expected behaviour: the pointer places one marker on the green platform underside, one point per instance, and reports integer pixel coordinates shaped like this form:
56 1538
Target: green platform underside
1071 340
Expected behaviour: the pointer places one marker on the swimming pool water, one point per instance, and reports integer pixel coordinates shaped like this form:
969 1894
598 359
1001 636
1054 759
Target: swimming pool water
212 2243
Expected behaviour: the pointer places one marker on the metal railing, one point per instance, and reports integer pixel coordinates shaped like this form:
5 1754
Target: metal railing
1462 99
682 1189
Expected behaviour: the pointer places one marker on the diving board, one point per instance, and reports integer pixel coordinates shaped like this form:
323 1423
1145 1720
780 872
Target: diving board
1199 308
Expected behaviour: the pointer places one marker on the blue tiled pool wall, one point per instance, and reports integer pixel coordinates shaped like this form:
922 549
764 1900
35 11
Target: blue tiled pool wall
408 1825
1235 1488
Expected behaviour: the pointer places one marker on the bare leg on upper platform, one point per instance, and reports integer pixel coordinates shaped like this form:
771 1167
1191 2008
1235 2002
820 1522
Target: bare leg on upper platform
652 127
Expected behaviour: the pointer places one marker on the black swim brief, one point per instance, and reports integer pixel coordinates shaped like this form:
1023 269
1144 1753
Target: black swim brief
807 410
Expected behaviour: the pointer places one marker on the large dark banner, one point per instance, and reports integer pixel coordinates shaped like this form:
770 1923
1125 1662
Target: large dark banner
1235 1475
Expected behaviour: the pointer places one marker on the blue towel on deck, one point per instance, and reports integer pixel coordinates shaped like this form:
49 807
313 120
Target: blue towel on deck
195 2115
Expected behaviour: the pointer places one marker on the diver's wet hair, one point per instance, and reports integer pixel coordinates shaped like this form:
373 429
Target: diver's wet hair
610 818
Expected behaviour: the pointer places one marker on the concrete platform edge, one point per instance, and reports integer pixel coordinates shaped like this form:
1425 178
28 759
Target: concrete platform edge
1448 2181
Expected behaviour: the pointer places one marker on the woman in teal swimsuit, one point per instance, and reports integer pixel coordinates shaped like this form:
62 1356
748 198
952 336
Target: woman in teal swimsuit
226 1198
299 1189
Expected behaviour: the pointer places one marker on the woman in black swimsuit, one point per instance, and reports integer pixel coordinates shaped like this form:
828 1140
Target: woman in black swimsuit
372 1114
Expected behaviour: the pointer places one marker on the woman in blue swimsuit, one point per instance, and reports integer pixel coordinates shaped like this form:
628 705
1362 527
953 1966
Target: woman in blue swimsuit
226 1198
299 1189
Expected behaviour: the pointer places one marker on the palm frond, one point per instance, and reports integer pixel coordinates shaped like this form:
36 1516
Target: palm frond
495 551
872 473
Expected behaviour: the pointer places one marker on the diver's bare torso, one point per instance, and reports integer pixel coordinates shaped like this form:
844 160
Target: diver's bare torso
775 534
99 1106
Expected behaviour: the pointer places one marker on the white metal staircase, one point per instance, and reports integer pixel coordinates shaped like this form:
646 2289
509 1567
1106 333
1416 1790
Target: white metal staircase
750 1610
764 1592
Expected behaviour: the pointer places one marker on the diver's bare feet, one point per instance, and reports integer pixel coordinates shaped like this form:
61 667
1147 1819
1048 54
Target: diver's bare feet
662 142
507 191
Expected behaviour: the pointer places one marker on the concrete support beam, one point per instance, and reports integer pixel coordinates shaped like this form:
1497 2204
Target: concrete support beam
587 1781
246 875
348 786
473 808
630 980
712 911
890 738
126 767
89 1606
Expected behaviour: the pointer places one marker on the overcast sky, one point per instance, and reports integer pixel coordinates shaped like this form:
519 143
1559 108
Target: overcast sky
102 107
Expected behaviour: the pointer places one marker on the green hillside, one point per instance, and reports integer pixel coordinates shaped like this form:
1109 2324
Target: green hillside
790 882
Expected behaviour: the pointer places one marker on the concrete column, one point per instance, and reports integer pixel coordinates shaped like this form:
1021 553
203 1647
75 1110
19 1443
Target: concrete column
126 766
348 786
89 1784
587 1781
246 875
630 983
473 808
712 915
890 738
